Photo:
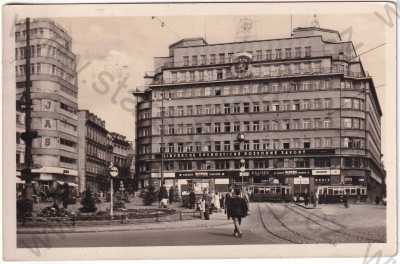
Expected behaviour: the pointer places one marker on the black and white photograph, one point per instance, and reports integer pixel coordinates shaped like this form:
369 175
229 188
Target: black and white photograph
263 129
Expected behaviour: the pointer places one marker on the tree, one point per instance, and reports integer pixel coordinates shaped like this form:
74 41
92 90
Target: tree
88 202
149 196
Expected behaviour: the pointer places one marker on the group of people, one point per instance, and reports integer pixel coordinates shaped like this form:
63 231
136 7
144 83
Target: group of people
165 196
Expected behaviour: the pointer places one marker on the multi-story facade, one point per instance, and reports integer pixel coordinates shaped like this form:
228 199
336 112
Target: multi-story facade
54 94
95 152
301 112
122 155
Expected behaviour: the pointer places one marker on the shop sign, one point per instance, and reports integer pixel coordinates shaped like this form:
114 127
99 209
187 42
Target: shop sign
206 174
166 175
303 180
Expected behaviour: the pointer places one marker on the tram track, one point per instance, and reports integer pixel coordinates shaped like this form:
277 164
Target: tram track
275 234
342 230
289 234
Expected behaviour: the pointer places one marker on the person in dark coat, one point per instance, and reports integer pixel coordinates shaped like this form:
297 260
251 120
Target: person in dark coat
237 209
192 199
226 203
171 195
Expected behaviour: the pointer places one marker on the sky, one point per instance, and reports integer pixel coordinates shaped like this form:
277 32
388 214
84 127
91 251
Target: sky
113 49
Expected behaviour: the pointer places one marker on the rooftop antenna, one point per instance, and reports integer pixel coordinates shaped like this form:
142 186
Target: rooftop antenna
315 22
291 25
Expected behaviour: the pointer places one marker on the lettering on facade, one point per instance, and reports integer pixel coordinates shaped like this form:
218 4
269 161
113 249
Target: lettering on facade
263 153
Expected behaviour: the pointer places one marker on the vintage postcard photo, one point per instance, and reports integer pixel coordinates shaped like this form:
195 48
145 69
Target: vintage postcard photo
137 131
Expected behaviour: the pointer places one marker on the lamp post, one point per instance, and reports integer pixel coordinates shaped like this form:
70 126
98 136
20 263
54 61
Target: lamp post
113 173
242 171
300 177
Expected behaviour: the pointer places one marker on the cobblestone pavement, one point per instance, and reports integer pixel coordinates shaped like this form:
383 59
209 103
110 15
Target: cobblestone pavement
267 223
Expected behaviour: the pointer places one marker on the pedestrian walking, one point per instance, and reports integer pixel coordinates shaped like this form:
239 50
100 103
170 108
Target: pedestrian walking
192 199
237 209
171 194
202 207
227 198
216 202
312 199
221 201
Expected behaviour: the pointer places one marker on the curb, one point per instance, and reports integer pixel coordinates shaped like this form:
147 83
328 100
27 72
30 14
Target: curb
126 227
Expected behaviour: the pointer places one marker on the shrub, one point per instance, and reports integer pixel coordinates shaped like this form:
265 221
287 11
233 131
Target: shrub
149 196
88 202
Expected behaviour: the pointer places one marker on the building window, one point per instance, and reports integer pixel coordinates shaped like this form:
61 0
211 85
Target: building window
256 107
180 147
286 145
171 129
227 127
222 58
191 75
297 52
347 123
246 107
259 55
347 103
246 145
236 108
198 146
185 60
236 127
217 146
307 51
198 129
198 109
256 126
246 125
288 53
278 54
317 142
307 124
217 109
189 110
306 144
174 77
227 145
203 59
207 128
212 59
220 75
194 60
217 127
268 55
256 144
327 123
227 108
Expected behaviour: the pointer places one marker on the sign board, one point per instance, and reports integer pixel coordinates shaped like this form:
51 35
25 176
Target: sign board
222 181
326 172
302 180
113 171
166 175
256 153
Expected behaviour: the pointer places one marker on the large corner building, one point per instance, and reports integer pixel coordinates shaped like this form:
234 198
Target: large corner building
54 94
301 112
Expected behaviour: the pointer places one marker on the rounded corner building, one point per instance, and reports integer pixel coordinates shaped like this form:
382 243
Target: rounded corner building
281 117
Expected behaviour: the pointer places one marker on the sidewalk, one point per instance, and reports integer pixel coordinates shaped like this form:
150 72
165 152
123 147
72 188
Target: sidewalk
217 219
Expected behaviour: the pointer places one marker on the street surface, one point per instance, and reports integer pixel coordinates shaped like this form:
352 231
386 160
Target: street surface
268 223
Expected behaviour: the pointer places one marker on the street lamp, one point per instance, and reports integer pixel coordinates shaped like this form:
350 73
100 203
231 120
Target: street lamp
300 177
242 170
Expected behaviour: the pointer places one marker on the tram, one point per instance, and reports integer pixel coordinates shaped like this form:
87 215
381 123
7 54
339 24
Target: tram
335 193
270 193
